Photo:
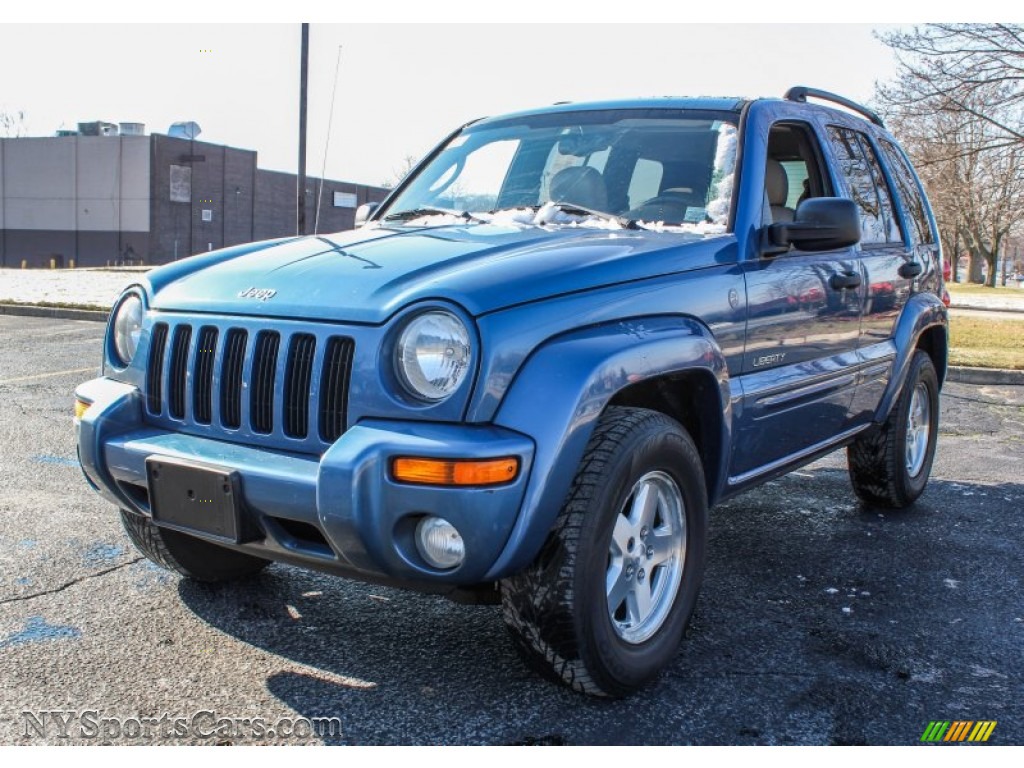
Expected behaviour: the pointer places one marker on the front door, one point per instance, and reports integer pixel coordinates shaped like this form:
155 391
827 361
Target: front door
803 325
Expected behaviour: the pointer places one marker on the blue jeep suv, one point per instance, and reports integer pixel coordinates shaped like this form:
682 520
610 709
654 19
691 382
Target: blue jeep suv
528 374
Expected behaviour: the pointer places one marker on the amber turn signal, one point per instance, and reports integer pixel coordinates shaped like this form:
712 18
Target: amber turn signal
455 471
81 406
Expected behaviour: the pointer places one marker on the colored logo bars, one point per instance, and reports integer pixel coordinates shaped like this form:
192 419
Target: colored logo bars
958 730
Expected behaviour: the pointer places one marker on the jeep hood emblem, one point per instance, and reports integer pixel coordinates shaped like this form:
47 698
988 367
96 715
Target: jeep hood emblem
260 294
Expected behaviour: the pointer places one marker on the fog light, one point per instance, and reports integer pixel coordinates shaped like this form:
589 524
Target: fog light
439 543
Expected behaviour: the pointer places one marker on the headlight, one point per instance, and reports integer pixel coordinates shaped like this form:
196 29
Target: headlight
127 328
433 355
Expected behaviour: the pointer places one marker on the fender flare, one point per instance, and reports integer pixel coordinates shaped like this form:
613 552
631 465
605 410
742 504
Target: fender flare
561 391
921 312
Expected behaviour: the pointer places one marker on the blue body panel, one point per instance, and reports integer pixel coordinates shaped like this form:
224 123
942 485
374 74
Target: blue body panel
561 321
366 518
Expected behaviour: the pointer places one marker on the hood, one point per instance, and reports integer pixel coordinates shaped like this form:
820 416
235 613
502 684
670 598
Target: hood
366 275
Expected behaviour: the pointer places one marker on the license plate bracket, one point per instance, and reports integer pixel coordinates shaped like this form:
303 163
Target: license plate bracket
196 498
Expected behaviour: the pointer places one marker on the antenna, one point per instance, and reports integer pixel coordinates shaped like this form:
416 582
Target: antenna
327 144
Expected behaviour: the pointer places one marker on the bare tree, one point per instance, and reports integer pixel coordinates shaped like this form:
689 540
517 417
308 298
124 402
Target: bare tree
956 105
397 174
977 69
12 124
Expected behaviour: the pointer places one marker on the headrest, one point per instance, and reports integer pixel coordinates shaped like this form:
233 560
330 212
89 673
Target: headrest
581 185
776 183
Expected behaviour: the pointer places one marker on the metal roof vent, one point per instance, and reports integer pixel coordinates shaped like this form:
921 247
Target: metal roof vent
98 128
184 130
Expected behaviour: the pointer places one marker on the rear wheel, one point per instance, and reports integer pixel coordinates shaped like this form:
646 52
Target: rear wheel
890 467
604 606
188 555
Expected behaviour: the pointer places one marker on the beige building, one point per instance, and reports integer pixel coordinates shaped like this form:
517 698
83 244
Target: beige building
96 200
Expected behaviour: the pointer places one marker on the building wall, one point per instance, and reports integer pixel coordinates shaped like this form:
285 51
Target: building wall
276 214
222 183
81 198
98 200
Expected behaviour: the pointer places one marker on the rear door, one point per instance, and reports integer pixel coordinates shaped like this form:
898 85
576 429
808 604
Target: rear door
887 257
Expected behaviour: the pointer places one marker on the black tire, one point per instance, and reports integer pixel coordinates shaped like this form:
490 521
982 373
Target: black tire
878 460
187 555
557 609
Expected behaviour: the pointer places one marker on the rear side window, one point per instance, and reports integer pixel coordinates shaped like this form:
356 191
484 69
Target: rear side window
910 193
858 164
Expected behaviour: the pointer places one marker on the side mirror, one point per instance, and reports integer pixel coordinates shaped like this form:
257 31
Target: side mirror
364 211
820 224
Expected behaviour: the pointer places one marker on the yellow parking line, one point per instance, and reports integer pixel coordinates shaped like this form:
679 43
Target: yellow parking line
48 375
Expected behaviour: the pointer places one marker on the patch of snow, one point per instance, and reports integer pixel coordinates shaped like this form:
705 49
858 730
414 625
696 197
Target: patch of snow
725 164
89 287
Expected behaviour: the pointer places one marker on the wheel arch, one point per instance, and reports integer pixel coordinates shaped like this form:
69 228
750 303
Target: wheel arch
935 341
923 324
691 397
567 384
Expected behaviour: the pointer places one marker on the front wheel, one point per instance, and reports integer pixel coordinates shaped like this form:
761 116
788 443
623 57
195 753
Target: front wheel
604 606
890 467
187 555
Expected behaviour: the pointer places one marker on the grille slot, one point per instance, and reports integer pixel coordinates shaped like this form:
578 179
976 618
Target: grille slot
178 380
155 369
298 377
202 388
334 388
264 370
231 379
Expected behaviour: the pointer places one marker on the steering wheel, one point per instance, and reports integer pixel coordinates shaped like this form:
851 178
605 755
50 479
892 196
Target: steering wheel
667 207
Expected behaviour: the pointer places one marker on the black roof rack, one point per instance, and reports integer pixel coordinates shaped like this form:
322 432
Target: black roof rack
801 92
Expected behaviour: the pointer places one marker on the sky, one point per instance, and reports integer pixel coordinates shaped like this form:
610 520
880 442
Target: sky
400 87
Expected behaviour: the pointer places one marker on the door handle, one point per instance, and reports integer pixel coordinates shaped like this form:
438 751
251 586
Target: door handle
844 280
910 269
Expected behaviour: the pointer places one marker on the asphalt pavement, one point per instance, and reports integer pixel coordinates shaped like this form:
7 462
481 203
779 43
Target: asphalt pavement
821 621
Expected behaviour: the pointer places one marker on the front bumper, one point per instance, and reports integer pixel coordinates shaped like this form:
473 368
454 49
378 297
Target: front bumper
340 511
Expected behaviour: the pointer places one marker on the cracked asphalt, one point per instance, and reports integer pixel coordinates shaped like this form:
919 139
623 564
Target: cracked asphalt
821 621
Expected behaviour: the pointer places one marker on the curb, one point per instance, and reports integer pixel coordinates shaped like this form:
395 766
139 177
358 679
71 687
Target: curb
976 308
963 374
56 313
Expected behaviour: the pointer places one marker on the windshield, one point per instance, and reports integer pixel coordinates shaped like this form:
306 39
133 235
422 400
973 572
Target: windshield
652 168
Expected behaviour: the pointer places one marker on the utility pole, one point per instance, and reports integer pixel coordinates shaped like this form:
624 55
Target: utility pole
303 77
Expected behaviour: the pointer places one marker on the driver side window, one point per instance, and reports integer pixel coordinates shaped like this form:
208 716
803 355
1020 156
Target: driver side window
793 171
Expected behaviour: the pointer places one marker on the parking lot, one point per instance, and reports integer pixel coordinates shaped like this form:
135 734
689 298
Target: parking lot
821 621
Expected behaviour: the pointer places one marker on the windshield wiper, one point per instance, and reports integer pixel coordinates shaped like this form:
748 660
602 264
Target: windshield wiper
415 213
572 208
